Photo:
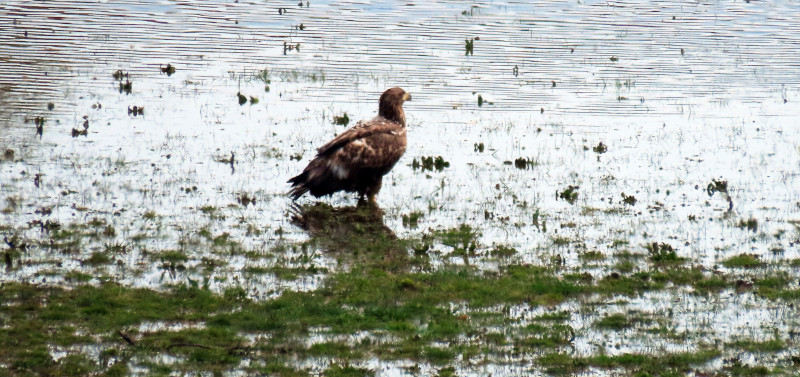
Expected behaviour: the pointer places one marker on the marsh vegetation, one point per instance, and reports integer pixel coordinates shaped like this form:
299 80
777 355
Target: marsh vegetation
597 188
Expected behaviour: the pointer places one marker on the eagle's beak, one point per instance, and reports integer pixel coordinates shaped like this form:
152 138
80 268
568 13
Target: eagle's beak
407 97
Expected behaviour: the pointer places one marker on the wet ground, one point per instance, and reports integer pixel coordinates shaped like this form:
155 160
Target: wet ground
620 193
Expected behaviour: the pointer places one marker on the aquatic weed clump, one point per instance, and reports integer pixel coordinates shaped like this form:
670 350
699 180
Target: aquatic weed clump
341 120
430 163
570 194
662 253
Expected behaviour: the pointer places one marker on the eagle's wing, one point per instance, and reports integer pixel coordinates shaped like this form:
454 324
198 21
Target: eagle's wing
375 145
361 130
375 150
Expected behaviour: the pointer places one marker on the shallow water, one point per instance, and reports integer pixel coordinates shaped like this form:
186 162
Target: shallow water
681 93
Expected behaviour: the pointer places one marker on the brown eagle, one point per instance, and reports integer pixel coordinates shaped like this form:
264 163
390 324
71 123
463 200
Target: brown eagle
357 160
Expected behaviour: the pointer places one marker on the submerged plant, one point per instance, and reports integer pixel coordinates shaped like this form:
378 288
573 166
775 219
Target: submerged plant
430 163
524 163
570 194
469 47
628 199
342 120
662 253
169 69
600 148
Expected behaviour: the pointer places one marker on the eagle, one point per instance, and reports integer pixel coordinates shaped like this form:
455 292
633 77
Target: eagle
357 160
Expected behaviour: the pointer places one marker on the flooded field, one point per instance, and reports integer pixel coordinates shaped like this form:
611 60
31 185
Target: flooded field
617 189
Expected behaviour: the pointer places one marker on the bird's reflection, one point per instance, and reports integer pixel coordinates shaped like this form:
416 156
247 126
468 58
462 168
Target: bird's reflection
341 224
356 233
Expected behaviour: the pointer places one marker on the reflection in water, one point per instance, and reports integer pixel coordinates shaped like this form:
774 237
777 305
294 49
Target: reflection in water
356 233
341 226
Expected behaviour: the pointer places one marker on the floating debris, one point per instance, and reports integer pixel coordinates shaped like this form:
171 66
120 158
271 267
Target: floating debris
751 224
628 199
290 47
84 131
600 148
524 163
720 186
470 45
341 120
479 147
613 58
570 194
245 199
717 186
264 76
430 163
50 106
242 98
126 87
136 110
482 101
515 71
230 161
662 253
253 100
119 75
8 154
39 121
76 132
169 69
411 220
470 12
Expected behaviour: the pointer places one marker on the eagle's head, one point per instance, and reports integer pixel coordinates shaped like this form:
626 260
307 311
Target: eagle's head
390 106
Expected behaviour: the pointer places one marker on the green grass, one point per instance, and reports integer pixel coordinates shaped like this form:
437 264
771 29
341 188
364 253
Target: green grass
773 345
173 256
383 285
641 365
97 259
347 371
742 261
614 322
663 253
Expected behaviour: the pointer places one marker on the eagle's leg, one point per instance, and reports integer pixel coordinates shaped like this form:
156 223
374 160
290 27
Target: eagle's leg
373 190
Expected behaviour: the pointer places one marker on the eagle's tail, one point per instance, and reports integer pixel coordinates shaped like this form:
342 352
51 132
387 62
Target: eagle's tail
299 185
297 191
316 178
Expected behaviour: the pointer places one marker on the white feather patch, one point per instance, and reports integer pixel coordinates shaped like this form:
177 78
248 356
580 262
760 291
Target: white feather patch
339 171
